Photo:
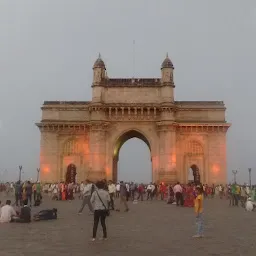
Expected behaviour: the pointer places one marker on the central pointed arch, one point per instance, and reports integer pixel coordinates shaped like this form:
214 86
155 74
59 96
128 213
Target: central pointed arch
120 142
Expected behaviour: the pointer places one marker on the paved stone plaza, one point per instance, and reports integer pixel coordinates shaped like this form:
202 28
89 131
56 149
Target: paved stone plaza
148 229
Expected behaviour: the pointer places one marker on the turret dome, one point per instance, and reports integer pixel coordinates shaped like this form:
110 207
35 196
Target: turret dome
167 63
99 63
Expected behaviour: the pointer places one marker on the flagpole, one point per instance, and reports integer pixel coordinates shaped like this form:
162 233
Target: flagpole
133 58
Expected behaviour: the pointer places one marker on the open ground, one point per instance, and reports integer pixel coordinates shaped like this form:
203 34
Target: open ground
149 228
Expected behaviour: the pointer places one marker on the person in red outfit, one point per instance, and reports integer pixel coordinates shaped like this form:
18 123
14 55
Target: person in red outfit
163 190
141 191
189 200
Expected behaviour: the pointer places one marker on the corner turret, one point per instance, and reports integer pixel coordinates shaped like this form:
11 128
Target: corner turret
99 71
99 75
167 70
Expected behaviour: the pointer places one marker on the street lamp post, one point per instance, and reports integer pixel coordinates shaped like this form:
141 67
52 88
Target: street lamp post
38 171
20 168
250 176
234 173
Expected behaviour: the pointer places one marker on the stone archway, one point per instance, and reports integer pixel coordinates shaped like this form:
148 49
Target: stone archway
196 174
121 104
120 142
74 150
71 174
194 160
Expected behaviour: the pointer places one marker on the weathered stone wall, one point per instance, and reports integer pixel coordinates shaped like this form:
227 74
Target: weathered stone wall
54 160
79 155
217 158
200 115
132 95
186 157
65 115
48 157
75 115
97 142
50 114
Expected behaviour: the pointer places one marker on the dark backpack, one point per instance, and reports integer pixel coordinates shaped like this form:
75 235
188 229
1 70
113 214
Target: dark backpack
46 215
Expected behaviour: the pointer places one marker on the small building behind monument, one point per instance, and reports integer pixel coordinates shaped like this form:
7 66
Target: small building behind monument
82 139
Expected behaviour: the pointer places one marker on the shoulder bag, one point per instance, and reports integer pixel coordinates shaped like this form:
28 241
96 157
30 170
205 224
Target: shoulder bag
106 209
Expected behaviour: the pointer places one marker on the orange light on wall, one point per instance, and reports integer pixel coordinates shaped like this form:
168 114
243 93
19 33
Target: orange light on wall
172 161
45 169
173 158
107 170
85 147
215 168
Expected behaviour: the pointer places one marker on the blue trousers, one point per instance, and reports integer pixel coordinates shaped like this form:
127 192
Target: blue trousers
199 224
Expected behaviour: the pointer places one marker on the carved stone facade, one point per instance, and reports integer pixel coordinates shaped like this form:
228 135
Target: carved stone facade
89 134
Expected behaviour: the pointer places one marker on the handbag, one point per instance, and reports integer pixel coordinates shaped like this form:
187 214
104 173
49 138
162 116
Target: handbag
106 209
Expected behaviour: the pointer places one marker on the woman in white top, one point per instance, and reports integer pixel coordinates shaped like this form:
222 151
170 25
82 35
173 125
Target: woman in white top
100 200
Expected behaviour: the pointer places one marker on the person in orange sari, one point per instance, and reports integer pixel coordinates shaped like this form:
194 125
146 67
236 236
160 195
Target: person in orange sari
63 192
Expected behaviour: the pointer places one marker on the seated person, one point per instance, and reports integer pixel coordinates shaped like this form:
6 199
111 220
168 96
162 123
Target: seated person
7 213
249 205
25 213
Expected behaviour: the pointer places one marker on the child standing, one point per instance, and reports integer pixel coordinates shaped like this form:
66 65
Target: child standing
198 206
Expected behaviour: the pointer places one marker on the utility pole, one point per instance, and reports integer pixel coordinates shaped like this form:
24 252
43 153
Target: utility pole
234 173
38 171
250 177
20 168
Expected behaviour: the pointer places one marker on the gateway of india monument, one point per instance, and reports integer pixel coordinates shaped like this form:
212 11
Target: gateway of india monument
82 139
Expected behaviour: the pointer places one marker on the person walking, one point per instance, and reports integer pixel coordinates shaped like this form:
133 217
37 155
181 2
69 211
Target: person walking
178 194
87 193
112 191
123 194
117 190
150 189
141 191
100 200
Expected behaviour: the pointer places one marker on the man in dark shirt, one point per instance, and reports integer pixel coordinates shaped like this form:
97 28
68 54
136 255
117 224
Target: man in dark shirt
29 192
18 190
25 213
123 192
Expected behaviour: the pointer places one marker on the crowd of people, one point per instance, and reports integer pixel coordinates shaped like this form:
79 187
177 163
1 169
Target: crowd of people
103 196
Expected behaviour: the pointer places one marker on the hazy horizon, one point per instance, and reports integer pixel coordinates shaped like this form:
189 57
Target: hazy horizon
48 49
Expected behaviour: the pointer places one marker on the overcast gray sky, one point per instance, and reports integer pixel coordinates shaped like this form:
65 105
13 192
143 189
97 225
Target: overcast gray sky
47 49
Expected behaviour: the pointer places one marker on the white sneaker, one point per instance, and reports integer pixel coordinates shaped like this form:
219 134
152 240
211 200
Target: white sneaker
196 236
93 239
